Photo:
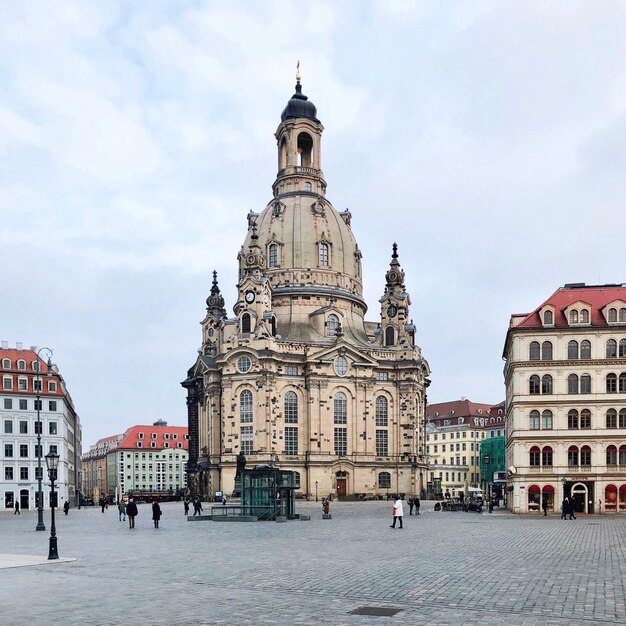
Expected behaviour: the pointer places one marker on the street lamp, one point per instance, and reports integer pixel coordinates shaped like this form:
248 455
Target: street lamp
52 462
315 491
40 524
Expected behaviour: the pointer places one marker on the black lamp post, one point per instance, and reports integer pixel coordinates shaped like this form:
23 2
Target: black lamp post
52 462
40 524
315 491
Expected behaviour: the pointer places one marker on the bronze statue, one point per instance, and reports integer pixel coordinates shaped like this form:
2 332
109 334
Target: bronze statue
241 464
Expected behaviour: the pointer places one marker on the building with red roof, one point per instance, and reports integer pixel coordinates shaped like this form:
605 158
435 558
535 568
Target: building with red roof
565 378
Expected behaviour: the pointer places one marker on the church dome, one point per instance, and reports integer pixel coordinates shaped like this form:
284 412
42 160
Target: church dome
299 106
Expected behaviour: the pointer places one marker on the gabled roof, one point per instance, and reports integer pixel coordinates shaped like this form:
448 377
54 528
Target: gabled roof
131 437
455 409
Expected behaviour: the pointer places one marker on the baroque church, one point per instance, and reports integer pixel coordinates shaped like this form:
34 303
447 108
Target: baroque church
297 377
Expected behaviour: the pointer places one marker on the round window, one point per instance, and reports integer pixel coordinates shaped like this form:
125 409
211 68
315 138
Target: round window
244 363
341 365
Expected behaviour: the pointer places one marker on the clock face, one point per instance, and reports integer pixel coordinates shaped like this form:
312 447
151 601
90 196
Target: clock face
392 310
249 297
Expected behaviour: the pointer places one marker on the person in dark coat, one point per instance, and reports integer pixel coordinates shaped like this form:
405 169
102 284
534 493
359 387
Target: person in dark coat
416 501
156 513
564 508
132 512
66 507
103 504
544 506
411 505
17 508
572 508
186 505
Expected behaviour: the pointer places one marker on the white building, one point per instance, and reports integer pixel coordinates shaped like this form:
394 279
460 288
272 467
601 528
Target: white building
25 383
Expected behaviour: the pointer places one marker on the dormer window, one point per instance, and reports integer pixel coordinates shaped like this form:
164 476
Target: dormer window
21 364
139 444
573 316
154 435
584 316
153 444
332 324
622 315
140 435
548 318
612 315
307 187
6 364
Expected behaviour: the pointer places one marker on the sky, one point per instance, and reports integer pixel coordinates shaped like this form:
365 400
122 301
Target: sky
488 139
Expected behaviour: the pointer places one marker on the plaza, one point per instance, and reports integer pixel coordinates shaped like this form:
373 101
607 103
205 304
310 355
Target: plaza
442 568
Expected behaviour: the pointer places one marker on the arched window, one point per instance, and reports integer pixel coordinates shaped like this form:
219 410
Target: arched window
273 325
585 419
21 364
546 421
572 419
535 455
611 418
324 255
534 420
584 316
390 336
585 383
533 387
573 317
585 349
622 418
611 383
546 351
272 255
291 407
622 348
572 456
572 349
332 324
6 364
246 323
622 455
612 315
572 383
546 456
611 349
547 318
384 480
585 455
546 383
340 408
246 408
611 455
305 150
622 382
622 315
533 351
282 164
382 407
307 186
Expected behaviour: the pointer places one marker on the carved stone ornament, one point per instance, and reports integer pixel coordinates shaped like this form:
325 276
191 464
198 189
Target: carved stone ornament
318 209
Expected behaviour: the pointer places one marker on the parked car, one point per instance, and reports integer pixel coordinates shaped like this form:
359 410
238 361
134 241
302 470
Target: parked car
140 501
88 502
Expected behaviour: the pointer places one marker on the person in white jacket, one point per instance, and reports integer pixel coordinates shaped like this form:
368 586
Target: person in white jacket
397 512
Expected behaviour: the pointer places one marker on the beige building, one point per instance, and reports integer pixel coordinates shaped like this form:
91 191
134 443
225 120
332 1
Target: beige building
298 377
565 377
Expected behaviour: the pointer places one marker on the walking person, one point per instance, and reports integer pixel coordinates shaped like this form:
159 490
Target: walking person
121 510
564 508
572 508
156 513
411 505
66 507
544 506
132 512
17 508
103 504
416 501
186 505
397 512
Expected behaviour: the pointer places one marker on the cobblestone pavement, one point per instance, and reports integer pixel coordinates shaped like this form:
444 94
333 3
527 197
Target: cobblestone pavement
442 568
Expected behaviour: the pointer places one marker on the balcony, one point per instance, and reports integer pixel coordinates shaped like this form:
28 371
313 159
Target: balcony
579 469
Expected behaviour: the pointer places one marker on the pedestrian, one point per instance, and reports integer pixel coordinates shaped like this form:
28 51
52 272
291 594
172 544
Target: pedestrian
102 504
564 508
544 506
132 512
224 500
572 508
411 505
17 508
66 507
416 501
121 510
156 513
186 505
397 512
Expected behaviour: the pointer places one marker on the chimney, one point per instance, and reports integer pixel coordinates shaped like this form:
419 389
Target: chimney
5 345
18 345
463 398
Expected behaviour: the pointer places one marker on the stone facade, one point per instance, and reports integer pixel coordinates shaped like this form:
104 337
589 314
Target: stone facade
565 379
298 377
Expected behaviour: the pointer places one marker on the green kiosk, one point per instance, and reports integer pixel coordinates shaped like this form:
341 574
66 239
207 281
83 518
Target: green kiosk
268 492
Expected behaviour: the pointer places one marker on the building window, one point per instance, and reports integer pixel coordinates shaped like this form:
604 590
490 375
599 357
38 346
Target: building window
585 455
246 409
340 408
332 325
8 473
546 383
572 419
572 456
548 319
546 420
533 387
572 349
622 455
611 383
382 376
384 480
37 385
52 405
341 366
8 427
572 383
291 407
8 450
341 441
534 456
6 364
546 456
611 349
38 405
52 386
622 382
8 404
622 348
612 315
324 254
585 349
585 383
382 406
622 418
390 336
546 351
22 384
534 351
291 440
23 473
23 427
584 316
611 418
21 364
273 255
7 382
38 450
23 405
573 317
246 323
53 449
611 455
534 420
244 364
291 370
382 443
247 439
23 451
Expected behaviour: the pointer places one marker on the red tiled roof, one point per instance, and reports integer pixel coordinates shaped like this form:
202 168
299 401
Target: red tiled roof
29 356
131 437
461 408
597 296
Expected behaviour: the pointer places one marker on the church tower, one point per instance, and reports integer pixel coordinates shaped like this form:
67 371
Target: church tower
298 377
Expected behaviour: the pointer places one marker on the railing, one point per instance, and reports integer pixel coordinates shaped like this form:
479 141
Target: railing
261 512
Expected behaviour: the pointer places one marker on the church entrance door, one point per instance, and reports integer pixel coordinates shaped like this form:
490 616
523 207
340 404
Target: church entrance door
341 487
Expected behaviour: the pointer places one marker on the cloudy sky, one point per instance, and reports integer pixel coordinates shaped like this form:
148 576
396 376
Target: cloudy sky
487 138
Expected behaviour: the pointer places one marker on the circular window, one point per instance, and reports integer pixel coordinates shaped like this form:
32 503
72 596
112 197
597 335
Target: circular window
244 363
341 365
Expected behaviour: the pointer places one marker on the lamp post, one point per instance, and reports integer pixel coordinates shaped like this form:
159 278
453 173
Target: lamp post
52 462
315 491
40 524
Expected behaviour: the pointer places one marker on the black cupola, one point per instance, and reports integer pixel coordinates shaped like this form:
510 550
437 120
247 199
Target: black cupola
299 106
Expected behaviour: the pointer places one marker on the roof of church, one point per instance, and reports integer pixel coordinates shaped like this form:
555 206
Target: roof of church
299 106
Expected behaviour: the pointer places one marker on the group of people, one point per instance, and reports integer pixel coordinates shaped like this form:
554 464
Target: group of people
397 510
131 511
414 503
568 507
